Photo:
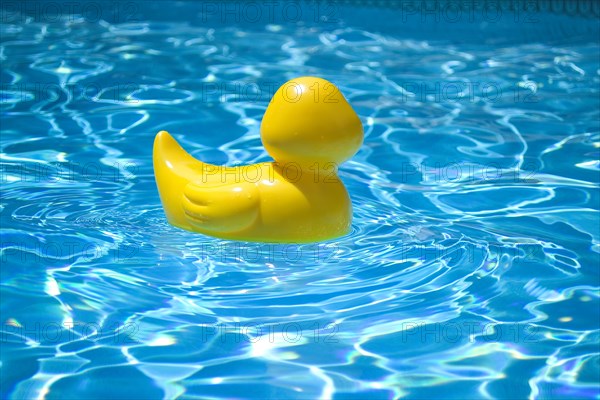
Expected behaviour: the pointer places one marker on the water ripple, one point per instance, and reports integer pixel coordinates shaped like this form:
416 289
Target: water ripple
472 263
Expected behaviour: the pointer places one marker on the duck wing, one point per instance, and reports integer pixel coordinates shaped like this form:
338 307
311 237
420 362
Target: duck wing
222 207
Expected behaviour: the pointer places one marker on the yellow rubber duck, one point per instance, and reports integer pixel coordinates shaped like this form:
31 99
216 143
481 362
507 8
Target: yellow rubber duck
309 129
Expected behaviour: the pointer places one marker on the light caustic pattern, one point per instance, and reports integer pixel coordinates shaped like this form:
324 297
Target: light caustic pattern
471 270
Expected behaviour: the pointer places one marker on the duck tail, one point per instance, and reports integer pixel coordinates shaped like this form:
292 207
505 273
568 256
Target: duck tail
172 161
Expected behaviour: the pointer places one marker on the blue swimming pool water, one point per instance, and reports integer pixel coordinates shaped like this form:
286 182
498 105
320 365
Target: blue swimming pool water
472 267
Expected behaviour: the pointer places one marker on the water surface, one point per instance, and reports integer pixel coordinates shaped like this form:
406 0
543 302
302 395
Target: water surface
472 267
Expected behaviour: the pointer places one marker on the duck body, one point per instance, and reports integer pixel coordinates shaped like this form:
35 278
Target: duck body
264 202
298 198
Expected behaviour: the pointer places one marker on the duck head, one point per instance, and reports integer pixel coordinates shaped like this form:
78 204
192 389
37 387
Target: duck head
309 121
